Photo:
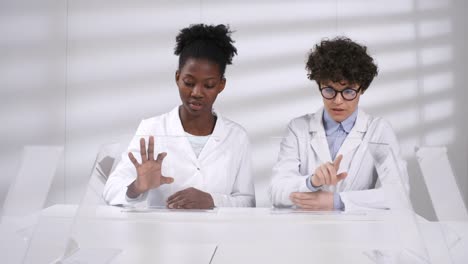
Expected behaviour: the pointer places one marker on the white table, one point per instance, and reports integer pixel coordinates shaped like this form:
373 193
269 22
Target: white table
238 235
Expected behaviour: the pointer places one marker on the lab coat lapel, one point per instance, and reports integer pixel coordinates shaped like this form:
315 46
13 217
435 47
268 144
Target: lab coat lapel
354 138
219 132
358 132
318 140
177 135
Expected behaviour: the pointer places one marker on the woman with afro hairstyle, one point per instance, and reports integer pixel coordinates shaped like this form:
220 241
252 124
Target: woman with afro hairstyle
196 158
324 161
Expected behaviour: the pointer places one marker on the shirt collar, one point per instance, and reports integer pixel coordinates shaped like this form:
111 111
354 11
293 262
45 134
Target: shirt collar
331 125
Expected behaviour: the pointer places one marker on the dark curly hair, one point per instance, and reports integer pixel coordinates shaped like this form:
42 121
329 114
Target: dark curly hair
341 59
206 42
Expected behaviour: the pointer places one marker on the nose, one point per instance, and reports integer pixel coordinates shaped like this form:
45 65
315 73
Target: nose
338 98
197 91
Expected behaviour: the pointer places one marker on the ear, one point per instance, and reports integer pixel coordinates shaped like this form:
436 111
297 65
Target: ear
222 85
177 76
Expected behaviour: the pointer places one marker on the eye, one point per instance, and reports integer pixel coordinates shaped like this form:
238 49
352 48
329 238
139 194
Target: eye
211 84
329 90
189 84
349 91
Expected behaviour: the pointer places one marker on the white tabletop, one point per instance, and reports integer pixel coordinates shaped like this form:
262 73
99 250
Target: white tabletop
240 235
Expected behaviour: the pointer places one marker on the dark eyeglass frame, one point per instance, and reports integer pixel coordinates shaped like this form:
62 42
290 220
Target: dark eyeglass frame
341 92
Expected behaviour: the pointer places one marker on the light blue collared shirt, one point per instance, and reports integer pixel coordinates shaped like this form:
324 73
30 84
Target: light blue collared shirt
336 134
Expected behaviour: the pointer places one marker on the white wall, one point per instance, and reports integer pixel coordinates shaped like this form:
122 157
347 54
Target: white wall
32 84
121 69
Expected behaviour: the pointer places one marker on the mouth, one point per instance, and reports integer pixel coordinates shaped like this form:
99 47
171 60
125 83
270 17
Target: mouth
195 106
337 110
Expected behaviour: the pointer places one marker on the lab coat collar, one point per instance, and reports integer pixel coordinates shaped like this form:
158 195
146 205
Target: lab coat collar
349 122
319 141
355 136
316 122
362 122
318 138
176 128
219 132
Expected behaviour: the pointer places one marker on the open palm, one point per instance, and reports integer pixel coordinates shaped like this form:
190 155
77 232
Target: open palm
149 174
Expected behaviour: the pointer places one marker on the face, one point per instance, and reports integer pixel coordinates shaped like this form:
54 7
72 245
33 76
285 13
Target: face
338 108
199 83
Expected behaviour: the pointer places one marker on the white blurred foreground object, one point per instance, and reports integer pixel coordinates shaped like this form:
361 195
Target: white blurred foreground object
441 183
28 192
25 200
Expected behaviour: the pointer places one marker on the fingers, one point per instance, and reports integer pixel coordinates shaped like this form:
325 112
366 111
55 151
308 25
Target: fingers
174 195
305 205
324 174
133 160
318 179
303 200
337 162
176 198
149 155
166 180
313 200
341 176
161 156
182 198
190 205
143 150
296 202
327 173
151 148
331 173
183 204
302 195
177 202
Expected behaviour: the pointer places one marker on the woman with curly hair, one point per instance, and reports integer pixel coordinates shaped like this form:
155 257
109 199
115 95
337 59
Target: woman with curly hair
209 154
324 161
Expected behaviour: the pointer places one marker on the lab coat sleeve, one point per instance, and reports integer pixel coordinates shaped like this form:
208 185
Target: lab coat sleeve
243 191
393 180
115 190
286 172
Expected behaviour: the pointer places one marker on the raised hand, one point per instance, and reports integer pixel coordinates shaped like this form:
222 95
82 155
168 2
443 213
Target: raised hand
149 174
325 174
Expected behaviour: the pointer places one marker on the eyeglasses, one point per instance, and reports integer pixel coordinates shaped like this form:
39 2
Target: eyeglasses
348 93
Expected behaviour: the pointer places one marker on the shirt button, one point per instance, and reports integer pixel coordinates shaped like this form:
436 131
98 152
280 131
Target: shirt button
198 168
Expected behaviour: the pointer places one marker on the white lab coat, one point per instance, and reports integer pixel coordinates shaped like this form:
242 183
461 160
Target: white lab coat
222 169
305 147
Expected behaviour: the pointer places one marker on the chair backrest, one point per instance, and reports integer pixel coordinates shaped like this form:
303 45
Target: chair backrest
441 183
106 160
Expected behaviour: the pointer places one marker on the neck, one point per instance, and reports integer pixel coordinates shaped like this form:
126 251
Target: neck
199 125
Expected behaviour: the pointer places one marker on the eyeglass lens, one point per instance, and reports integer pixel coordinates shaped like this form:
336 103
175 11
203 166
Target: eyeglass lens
330 93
